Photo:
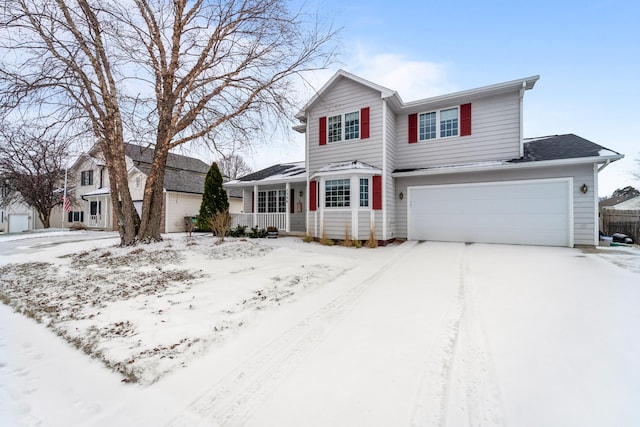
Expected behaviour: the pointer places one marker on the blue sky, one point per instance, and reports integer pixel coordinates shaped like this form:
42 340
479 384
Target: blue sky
586 53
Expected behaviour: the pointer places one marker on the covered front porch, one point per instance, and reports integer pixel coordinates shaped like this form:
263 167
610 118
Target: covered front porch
273 197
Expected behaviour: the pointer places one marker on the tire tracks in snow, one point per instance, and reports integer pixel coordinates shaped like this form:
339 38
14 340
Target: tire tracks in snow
232 401
458 386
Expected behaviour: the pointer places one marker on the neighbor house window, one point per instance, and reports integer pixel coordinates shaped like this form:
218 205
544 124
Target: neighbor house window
138 181
86 177
438 124
272 201
337 193
364 192
75 216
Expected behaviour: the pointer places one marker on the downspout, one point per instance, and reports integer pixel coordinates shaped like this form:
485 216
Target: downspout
522 89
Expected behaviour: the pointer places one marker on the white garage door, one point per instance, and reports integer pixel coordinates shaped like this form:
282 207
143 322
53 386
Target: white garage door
18 223
533 212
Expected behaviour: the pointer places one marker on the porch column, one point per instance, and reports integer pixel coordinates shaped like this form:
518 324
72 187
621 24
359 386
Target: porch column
287 218
255 205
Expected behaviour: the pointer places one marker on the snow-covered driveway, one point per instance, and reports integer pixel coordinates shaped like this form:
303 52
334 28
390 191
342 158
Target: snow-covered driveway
421 334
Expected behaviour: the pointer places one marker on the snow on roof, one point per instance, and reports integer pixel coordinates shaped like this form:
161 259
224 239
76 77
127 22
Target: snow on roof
280 172
98 192
627 205
350 165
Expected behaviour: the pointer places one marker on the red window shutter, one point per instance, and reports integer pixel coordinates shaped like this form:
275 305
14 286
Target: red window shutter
377 192
364 123
253 202
413 128
323 130
292 204
465 119
312 196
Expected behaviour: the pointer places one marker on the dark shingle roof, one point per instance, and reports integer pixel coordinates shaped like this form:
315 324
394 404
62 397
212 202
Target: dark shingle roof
286 170
182 173
554 147
557 147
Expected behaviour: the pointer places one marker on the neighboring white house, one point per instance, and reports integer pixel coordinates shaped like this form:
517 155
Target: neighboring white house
89 189
454 167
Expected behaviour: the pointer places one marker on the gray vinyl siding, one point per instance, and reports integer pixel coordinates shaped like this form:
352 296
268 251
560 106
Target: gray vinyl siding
583 204
335 223
346 96
495 135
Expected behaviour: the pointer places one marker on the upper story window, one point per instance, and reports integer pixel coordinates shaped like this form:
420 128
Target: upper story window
337 193
336 131
345 127
334 124
352 126
438 124
138 181
86 177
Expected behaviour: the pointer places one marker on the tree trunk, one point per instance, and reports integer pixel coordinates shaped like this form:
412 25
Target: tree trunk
124 210
153 199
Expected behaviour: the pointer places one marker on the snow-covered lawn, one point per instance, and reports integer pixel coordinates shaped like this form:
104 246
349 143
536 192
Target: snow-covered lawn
282 332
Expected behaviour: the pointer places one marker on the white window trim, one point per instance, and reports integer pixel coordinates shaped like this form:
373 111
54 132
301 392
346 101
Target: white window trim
266 200
438 124
343 127
354 197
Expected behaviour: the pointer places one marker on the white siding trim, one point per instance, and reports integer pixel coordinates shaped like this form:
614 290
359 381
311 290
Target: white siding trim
521 112
383 182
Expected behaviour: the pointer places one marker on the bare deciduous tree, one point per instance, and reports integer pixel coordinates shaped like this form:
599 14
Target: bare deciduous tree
160 72
233 167
32 161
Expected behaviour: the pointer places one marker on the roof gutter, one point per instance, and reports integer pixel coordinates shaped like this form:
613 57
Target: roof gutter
240 184
508 166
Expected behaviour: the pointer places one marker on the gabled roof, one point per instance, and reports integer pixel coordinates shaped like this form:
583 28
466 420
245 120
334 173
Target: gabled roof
182 174
341 74
543 151
397 104
275 174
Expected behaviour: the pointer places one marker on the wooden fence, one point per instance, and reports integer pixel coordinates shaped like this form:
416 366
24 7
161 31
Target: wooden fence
619 221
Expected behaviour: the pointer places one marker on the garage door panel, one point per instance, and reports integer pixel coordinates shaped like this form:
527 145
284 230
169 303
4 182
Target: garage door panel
527 212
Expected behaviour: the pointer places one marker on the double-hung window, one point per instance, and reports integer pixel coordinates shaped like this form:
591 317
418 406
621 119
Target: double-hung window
337 193
364 192
352 126
335 128
343 127
438 124
86 177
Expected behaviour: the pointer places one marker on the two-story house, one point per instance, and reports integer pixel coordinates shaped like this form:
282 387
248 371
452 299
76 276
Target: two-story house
454 167
90 191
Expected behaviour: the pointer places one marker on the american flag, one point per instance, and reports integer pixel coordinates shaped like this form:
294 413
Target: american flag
66 203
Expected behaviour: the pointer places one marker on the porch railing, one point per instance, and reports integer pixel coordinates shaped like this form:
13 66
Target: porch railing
264 220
